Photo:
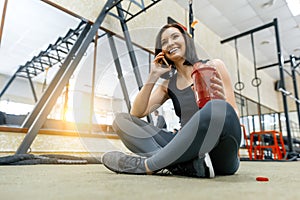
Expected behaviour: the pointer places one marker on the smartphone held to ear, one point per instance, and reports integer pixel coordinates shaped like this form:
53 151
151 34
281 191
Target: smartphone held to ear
165 62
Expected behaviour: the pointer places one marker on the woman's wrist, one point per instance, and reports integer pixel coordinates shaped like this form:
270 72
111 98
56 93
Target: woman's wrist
152 78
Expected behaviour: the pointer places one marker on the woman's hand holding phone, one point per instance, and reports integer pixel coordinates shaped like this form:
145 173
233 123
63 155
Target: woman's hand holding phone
161 65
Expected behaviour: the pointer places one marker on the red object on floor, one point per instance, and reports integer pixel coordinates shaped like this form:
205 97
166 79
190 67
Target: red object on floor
260 178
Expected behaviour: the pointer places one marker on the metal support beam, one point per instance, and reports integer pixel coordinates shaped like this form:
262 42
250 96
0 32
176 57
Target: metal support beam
249 32
284 98
293 68
8 84
130 47
119 70
45 110
143 9
131 51
93 84
31 86
272 65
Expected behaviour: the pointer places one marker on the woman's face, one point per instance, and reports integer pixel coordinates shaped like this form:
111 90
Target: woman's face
173 44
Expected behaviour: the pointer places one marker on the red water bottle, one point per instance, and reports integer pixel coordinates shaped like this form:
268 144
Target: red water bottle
202 74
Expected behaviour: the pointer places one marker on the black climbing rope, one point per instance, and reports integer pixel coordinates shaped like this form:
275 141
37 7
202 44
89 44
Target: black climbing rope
31 159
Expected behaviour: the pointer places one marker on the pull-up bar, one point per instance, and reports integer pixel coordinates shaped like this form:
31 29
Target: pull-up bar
291 152
272 65
249 32
276 64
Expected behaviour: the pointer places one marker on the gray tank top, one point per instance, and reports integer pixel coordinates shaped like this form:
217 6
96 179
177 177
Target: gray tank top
183 100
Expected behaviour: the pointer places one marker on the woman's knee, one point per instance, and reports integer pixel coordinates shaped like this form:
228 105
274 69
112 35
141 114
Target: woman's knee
121 116
215 111
223 114
119 119
225 110
216 105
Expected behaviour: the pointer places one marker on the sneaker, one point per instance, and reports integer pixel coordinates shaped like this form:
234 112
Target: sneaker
209 165
122 163
199 167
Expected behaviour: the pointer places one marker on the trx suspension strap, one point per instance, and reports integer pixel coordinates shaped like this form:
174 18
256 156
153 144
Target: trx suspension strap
256 81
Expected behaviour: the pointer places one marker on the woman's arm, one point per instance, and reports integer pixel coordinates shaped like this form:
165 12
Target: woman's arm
148 100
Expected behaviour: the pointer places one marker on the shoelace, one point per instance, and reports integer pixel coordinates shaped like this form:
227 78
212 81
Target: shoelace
130 163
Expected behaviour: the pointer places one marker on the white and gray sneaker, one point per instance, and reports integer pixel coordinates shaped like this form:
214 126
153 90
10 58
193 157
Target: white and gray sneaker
120 162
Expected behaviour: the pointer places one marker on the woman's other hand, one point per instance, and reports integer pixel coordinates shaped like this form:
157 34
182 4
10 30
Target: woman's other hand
217 85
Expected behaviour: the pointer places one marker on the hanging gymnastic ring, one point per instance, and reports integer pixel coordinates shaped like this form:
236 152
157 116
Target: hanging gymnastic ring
256 82
239 85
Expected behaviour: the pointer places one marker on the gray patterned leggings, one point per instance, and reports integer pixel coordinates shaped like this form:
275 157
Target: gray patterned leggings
214 129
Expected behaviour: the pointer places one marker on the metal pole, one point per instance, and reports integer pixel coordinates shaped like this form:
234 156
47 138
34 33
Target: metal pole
93 84
280 125
130 47
119 70
248 32
256 84
293 68
7 85
31 86
281 72
66 103
272 65
131 52
253 122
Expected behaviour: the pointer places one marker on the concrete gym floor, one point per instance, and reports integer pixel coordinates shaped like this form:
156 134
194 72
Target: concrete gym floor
94 181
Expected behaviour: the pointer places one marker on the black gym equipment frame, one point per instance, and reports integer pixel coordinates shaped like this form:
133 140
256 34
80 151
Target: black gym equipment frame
294 66
290 154
43 107
54 54
119 69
